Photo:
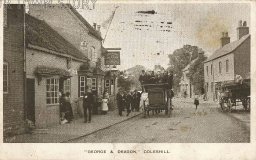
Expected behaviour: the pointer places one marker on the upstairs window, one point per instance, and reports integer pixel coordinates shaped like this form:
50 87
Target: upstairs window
227 65
220 67
211 69
207 71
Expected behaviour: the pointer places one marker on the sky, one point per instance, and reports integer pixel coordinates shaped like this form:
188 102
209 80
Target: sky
148 39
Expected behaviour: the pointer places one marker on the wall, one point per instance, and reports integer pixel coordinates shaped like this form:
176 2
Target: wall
216 76
48 115
242 58
13 101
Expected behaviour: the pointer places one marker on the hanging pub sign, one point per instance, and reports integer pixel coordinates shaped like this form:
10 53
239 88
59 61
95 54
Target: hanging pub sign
112 58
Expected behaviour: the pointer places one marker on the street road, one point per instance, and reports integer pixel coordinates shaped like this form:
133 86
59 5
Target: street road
207 124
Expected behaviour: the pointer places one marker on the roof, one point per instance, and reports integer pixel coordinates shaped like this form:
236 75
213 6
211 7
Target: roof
228 48
187 67
40 34
90 28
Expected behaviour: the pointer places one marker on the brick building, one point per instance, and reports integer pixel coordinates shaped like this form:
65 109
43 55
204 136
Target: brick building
229 61
52 66
13 70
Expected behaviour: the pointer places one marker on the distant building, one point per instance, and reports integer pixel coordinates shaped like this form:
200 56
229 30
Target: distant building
186 87
229 61
14 110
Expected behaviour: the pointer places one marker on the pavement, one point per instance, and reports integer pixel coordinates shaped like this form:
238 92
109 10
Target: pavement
71 131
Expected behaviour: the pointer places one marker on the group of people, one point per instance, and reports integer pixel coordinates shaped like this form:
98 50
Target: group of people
129 101
150 77
89 104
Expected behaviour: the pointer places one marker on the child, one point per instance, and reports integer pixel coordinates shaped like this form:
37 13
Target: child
196 102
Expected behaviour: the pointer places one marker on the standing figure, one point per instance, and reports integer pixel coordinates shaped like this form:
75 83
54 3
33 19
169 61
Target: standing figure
196 101
62 108
133 104
87 104
104 104
137 100
69 112
128 99
120 102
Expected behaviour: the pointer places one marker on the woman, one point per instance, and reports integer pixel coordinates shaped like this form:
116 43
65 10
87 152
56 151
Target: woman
69 112
104 104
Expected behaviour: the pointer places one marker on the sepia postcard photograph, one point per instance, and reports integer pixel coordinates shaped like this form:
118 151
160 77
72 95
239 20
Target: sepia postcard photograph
111 79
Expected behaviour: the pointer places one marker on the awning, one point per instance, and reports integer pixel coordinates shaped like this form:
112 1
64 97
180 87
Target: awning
45 71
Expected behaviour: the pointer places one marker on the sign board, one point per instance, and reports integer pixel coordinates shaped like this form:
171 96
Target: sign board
112 58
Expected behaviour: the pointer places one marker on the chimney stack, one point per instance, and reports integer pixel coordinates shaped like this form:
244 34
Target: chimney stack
225 39
242 29
94 25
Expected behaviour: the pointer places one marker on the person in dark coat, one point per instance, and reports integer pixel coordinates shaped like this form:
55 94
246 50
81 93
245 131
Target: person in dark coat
120 102
88 102
196 101
69 112
136 99
128 99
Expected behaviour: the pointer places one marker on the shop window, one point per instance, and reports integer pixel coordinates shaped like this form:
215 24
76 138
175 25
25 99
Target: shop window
5 78
67 85
81 85
52 91
94 84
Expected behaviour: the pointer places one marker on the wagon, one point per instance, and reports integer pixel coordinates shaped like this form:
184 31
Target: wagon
232 93
157 98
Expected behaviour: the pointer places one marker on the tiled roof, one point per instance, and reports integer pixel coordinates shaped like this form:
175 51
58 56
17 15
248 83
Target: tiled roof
40 34
81 18
228 48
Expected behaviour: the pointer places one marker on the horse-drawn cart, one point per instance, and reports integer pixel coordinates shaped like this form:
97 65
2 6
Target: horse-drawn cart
157 98
234 92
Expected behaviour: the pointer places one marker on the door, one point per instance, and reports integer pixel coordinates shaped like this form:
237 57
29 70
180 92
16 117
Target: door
31 99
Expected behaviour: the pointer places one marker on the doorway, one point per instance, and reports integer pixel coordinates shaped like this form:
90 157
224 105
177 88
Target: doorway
31 99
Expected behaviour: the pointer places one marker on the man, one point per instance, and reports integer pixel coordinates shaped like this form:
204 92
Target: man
142 77
120 102
87 104
136 98
128 99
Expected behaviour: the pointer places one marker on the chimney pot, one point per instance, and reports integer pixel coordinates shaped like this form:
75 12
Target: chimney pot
225 39
94 25
240 23
244 24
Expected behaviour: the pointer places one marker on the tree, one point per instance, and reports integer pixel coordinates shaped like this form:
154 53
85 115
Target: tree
196 73
179 60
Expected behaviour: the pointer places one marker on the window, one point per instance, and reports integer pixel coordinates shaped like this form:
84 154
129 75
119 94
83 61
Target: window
82 85
94 84
52 89
211 69
5 78
207 70
227 65
89 83
220 67
107 84
67 84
